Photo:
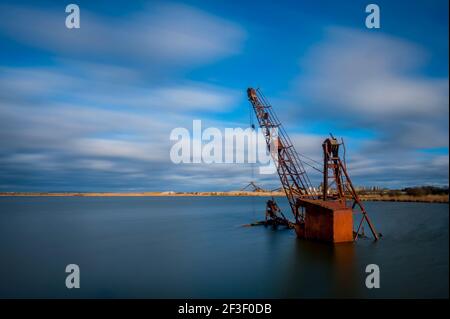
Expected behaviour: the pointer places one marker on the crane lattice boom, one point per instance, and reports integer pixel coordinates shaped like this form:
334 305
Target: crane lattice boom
290 168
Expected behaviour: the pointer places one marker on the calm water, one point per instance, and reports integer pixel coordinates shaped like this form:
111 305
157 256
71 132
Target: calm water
196 247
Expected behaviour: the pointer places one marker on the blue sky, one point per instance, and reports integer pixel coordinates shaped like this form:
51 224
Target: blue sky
92 109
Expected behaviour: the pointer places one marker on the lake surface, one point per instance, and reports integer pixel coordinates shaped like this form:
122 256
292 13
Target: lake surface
196 247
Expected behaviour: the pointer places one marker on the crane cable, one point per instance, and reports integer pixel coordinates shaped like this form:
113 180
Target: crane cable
252 164
310 165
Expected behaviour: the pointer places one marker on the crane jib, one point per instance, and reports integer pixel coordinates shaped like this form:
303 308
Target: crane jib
290 168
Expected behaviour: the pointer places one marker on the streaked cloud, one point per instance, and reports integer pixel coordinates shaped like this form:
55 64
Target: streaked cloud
161 34
78 119
96 110
362 79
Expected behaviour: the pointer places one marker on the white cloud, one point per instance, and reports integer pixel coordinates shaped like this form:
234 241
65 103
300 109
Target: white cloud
165 33
370 75
92 85
372 81
113 148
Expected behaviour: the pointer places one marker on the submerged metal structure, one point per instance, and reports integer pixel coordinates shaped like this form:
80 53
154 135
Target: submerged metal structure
254 188
324 215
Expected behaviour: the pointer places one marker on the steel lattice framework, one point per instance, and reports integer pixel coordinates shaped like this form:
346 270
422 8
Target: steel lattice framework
289 166
335 174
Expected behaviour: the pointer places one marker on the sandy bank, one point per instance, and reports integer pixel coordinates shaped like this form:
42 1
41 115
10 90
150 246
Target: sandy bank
375 197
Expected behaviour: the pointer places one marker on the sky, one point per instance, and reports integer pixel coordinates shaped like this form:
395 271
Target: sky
92 109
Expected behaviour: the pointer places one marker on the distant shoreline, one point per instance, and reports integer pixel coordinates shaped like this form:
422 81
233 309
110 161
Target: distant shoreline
375 197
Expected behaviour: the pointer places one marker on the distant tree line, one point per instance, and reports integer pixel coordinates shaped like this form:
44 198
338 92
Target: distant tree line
425 190
411 191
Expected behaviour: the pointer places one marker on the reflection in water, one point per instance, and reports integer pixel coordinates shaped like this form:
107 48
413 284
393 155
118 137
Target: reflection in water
320 270
345 270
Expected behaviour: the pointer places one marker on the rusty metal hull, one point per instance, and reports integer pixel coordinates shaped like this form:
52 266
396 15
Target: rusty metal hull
326 221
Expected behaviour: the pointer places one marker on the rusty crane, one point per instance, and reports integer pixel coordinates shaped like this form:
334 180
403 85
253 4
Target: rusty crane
325 215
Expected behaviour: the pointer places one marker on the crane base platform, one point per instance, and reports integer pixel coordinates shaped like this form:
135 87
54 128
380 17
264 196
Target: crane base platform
329 221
